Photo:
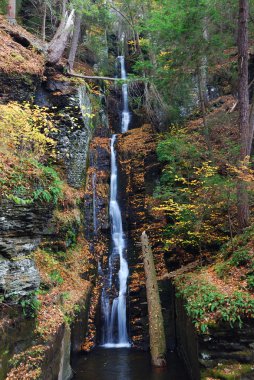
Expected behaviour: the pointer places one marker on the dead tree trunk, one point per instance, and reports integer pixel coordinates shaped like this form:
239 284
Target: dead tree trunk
244 122
156 325
12 11
64 4
74 42
58 43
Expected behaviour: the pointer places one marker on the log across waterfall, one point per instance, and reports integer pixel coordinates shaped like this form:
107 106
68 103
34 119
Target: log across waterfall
114 300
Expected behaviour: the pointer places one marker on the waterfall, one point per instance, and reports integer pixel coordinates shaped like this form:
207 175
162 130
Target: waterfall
125 112
114 305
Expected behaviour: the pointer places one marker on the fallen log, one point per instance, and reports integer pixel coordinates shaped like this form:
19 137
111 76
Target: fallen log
95 77
156 323
182 270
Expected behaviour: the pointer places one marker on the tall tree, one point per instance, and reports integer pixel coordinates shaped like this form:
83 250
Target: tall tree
74 41
243 95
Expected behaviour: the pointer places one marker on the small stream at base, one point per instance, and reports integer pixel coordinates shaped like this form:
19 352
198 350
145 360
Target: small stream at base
125 364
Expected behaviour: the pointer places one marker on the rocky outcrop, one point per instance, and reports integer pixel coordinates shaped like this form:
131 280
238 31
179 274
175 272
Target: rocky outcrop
71 104
221 346
39 357
21 228
74 138
97 223
16 334
21 65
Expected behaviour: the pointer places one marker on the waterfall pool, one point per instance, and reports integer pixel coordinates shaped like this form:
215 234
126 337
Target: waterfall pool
125 364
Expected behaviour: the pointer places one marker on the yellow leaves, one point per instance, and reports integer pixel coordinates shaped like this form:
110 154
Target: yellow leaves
26 129
180 179
243 172
206 170
164 53
143 42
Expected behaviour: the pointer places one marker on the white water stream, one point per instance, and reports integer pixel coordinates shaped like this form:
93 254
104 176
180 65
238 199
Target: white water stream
114 306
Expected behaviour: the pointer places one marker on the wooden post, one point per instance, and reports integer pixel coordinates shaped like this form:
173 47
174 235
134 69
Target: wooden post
11 11
156 323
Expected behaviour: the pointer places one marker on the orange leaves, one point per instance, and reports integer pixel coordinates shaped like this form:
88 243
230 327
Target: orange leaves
90 339
14 58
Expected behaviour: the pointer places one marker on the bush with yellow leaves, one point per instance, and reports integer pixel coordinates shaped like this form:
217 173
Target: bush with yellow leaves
26 148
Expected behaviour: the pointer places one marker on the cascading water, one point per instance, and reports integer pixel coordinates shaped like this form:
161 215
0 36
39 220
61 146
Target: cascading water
125 112
114 306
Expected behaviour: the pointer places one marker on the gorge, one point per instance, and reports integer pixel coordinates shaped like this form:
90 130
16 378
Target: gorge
123 119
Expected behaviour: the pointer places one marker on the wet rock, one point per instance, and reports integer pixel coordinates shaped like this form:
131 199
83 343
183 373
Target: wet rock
73 114
222 344
139 171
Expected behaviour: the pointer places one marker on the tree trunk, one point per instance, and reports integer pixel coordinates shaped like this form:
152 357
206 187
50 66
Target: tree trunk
204 64
60 39
243 94
43 27
251 122
203 102
156 325
64 4
11 11
74 42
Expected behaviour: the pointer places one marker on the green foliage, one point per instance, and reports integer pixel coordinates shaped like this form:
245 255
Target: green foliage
228 371
3 7
179 37
56 277
30 306
237 253
197 198
240 257
29 181
71 238
53 189
250 281
206 305
35 357
221 269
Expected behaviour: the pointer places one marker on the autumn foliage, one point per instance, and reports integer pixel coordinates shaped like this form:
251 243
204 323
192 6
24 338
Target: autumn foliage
26 148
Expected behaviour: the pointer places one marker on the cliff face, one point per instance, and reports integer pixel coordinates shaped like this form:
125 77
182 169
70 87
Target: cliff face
97 223
139 172
21 64
43 244
21 231
22 227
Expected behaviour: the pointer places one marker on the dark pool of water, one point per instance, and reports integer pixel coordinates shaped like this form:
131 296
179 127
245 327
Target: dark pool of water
125 364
